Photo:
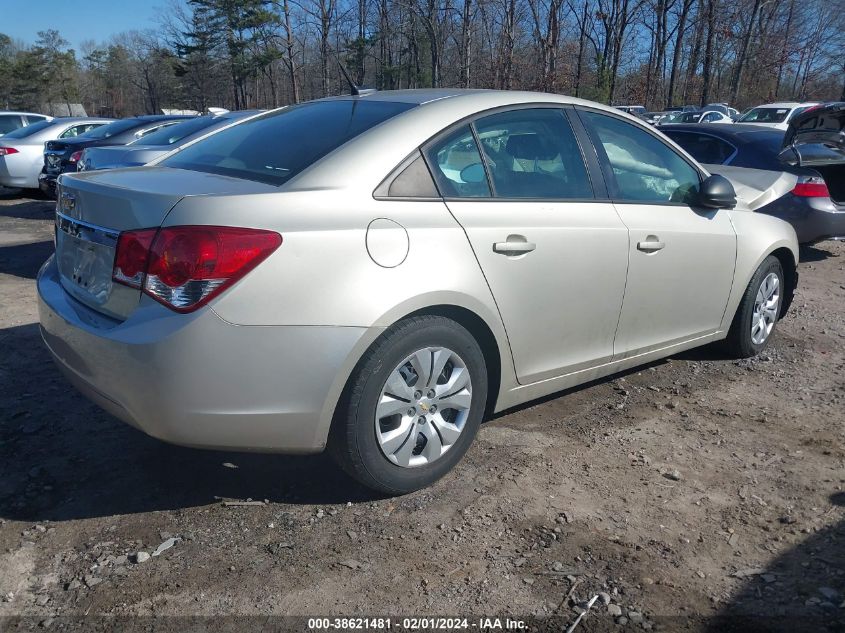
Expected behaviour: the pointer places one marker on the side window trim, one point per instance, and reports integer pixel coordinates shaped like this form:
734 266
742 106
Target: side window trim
605 161
601 189
586 146
484 163
441 135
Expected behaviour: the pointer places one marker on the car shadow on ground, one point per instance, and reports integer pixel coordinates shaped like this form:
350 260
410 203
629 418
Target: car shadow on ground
813 253
24 260
802 590
63 458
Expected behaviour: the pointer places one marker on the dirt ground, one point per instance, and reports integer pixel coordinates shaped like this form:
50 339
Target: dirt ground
696 494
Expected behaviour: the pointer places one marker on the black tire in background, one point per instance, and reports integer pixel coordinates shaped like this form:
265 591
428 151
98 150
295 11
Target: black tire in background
353 441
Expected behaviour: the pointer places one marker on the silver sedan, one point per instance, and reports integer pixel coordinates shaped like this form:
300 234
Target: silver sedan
22 151
375 274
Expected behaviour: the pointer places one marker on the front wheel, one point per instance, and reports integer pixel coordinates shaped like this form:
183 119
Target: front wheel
413 406
758 311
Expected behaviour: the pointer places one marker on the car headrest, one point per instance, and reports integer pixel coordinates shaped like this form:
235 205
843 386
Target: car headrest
530 147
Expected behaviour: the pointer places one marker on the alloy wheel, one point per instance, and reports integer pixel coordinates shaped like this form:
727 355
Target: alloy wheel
766 307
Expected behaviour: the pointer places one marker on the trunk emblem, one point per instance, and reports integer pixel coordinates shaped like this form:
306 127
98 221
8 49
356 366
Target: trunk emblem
67 201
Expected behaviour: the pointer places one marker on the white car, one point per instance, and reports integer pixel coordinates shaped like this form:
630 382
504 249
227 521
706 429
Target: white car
775 115
11 121
700 116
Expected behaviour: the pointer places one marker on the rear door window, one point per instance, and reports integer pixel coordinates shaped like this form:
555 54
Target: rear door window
29 130
279 145
457 166
9 123
77 130
533 153
641 167
703 147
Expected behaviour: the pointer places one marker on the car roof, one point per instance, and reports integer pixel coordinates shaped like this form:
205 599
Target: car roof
786 104
80 119
484 97
161 117
25 113
743 132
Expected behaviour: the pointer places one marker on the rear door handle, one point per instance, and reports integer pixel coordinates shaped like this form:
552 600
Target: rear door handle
513 248
651 245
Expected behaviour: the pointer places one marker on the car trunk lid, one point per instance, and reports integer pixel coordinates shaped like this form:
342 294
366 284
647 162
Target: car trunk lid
94 208
756 187
816 138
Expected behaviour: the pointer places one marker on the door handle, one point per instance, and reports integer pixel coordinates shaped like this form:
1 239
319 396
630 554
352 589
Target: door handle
513 248
651 245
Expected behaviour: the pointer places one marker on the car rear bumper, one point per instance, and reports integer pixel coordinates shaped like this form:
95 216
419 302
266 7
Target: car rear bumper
195 379
814 219
12 175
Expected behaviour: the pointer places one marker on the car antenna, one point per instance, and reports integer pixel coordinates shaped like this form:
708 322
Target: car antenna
354 89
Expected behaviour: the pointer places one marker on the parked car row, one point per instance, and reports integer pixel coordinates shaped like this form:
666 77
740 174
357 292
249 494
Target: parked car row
22 150
776 115
37 149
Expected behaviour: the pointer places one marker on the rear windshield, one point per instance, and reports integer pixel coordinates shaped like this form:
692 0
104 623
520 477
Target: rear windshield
29 130
765 115
276 147
172 134
112 129
689 117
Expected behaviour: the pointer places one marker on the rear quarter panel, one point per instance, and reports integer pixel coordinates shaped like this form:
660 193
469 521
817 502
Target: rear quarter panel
323 273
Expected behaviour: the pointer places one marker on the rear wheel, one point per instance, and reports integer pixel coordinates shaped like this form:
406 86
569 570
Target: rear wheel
758 311
413 407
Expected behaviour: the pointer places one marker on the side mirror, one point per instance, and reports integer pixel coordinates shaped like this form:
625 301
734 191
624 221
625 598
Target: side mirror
473 173
717 192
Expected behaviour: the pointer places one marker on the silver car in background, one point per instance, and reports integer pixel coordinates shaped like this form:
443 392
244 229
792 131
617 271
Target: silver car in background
22 151
375 273
155 145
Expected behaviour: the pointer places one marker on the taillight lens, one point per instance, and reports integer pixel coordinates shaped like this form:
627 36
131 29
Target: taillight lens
811 187
7 151
75 156
133 252
184 267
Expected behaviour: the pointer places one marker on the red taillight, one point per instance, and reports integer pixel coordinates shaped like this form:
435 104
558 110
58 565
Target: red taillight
184 267
130 261
811 187
7 151
75 156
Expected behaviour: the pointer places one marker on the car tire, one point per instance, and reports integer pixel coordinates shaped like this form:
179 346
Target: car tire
749 336
363 445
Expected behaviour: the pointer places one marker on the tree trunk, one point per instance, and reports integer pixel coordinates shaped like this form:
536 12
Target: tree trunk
676 55
582 44
746 40
708 52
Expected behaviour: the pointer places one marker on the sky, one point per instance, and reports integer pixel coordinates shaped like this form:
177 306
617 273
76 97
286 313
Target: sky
77 20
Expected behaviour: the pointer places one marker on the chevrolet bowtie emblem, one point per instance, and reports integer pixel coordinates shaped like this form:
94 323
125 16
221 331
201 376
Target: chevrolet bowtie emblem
67 202
424 406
